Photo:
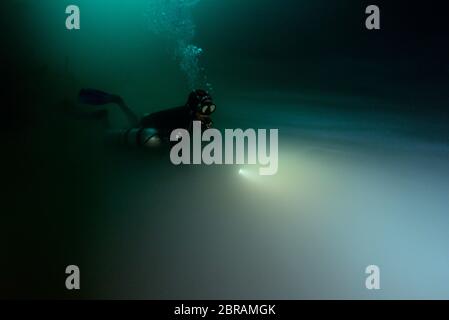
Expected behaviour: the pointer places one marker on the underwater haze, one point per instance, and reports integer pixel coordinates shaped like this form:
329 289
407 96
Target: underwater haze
363 173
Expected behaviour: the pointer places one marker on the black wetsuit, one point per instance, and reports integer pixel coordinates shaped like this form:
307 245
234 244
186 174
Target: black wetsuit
166 121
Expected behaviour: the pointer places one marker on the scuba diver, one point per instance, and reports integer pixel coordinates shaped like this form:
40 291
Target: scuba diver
153 129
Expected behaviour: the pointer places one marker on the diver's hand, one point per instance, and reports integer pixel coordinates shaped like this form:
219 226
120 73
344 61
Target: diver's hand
209 124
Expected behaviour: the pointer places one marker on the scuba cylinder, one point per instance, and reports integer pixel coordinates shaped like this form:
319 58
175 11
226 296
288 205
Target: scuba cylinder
135 137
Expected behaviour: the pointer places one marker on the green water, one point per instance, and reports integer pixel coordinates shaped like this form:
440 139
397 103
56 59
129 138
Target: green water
362 165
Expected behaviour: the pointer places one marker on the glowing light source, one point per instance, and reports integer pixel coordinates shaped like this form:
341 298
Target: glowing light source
245 173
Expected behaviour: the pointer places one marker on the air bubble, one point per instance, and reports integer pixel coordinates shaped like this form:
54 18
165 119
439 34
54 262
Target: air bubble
173 18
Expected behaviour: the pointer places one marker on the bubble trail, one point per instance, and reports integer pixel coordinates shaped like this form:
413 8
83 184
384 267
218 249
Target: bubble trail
173 19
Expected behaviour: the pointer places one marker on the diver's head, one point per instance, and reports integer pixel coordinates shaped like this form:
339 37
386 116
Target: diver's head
200 102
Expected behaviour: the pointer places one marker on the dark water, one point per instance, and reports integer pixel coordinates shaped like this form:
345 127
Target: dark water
363 158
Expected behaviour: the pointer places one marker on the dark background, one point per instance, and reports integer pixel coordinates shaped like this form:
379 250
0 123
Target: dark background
305 46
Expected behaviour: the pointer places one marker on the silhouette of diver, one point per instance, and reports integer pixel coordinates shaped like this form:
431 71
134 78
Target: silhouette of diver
153 129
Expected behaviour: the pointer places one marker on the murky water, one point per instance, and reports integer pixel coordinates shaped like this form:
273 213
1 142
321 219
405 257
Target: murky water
363 175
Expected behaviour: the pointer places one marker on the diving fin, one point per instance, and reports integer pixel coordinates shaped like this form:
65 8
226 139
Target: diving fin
97 97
